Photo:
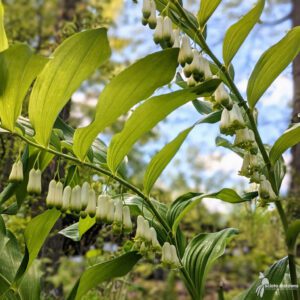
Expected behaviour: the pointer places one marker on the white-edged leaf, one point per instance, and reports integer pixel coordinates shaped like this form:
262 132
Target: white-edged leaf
134 84
147 115
271 64
288 139
201 253
3 38
18 68
73 62
238 32
207 8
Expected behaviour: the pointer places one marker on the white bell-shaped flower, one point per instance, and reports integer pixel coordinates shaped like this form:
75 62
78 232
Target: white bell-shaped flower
152 20
140 228
166 256
118 217
175 259
245 166
85 189
265 190
158 32
225 125
146 9
221 95
244 138
207 71
50 199
127 223
91 207
197 65
102 205
16 174
167 29
58 194
154 241
34 185
176 34
236 117
66 198
191 81
185 52
76 199
110 211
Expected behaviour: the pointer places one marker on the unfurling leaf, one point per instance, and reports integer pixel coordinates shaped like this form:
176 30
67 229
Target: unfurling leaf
201 253
134 84
271 64
73 62
3 38
238 32
147 115
18 68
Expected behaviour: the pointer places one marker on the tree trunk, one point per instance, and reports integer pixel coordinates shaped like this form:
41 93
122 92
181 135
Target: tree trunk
294 203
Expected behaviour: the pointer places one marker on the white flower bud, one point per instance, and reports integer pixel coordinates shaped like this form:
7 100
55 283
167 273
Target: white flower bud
255 178
146 9
118 215
34 185
154 241
167 29
66 198
127 223
197 65
50 199
244 138
166 256
102 205
236 117
110 211
75 199
13 177
152 19
85 189
58 194
158 32
225 122
176 38
245 166
207 71
91 207
185 53
187 70
255 163
265 190
221 95
175 260
147 233
140 227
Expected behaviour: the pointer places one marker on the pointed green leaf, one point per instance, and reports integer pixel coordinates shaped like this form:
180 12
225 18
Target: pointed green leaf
71 232
131 86
73 62
164 156
288 139
274 275
201 253
271 64
292 234
3 38
18 68
226 195
147 115
238 32
101 272
207 8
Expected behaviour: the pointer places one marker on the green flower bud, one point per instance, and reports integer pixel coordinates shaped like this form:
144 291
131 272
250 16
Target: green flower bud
185 52
85 189
146 9
167 29
50 199
152 19
91 207
66 198
244 138
158 32
127 224
75 199
58 194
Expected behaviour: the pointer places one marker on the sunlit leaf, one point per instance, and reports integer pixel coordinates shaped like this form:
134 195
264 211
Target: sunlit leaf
3 38
201 253
147 115
207 8
288 139
101 272
238 32
18 68
134 84
73 62
271 64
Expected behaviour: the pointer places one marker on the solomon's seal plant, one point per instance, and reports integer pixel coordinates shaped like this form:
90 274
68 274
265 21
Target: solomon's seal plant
185 59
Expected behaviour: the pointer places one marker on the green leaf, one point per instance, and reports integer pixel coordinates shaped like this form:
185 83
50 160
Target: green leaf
73 62
3 38
292 234
35 235
147 115
85 224
226 195
238 32
202 107
207 8
18 68
271 64
71 232
101 272
221 142
164 156
131 86
274 275
288 139
200 254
